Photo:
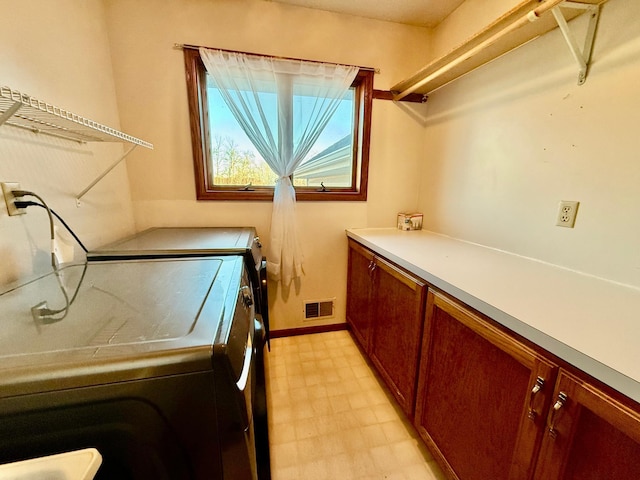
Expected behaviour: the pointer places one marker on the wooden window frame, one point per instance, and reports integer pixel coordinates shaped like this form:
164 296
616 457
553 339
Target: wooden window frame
200 140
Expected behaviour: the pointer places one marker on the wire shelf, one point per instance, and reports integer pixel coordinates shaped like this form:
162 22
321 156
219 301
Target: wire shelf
23 111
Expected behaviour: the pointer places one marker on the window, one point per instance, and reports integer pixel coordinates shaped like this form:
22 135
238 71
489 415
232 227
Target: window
228 167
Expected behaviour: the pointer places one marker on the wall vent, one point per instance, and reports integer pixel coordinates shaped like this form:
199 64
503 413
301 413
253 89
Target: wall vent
318 309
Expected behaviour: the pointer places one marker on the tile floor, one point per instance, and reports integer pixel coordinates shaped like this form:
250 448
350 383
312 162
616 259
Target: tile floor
330 418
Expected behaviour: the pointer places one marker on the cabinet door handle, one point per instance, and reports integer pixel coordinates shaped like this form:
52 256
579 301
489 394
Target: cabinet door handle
537 387
560 402
372 267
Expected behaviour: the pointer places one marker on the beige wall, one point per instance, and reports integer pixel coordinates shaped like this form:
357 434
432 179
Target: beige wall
58 52
506 143
501 146
149 77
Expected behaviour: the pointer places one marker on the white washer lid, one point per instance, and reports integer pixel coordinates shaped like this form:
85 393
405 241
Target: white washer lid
76 465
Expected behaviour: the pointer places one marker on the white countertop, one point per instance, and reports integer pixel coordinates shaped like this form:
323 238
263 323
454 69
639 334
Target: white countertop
589 322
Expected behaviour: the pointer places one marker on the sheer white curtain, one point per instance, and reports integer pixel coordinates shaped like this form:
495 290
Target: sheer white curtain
260 93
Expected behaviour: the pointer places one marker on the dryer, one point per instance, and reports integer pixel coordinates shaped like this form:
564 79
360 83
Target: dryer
184 242
151 361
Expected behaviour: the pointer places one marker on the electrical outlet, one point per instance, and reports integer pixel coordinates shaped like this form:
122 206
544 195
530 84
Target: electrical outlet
38 311
567 212
9 198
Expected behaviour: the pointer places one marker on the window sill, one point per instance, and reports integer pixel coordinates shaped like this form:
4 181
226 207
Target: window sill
267 196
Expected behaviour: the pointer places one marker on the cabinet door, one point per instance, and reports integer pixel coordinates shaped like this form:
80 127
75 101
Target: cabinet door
397 329
478 406
359 291
589 436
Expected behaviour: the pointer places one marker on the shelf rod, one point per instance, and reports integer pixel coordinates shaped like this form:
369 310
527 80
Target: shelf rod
46 132
103 174
520 22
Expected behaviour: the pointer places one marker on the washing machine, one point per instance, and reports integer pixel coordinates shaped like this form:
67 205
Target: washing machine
187 242
150 361
184 242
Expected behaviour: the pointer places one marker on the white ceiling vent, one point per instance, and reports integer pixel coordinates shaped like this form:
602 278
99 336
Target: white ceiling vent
318 309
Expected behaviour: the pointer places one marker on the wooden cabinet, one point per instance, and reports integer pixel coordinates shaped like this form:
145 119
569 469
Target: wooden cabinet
385 310
481 395
398 320
360 293
589 435
487 404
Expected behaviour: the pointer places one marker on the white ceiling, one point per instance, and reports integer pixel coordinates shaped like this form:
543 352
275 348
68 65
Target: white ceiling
426 13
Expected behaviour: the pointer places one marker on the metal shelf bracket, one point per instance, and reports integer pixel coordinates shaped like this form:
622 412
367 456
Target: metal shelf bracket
9 112
582 56
103 174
